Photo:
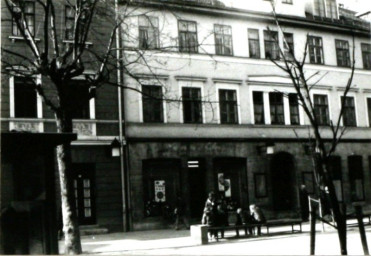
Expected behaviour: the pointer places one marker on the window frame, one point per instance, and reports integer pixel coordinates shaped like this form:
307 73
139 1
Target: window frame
291 104
355 175
330 4
161 103
327 105
39 105
156 33
315 49
234 102
91 103
289 49
366 53
223 36
26 14
346 108
319 11
341 60
275 106
181 49
368 110
262 105
199 101
257 41
271 42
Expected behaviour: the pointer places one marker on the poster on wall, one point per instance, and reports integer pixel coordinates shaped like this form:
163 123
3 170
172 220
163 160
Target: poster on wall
160 192
227 187
221 181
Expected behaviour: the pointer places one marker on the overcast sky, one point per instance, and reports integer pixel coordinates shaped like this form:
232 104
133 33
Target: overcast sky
356 5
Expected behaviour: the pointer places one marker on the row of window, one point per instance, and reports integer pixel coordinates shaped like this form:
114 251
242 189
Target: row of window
228 107
149 39
188 42
25 105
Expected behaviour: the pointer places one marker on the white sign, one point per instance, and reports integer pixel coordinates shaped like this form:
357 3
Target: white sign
160 193
227 187
221 181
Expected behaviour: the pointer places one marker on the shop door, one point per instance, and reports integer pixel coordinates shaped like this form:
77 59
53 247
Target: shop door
231 181
283 190
84 183
197 192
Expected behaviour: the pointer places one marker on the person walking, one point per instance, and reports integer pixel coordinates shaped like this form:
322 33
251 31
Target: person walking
304 203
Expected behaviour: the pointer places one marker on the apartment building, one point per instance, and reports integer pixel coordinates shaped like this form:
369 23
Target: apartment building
97 175
216 114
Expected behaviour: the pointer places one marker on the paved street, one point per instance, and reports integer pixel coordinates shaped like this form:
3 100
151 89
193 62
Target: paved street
170 242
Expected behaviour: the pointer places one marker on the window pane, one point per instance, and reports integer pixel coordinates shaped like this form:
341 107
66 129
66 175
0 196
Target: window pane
321 109
294 108
258 108
369 111
254 48
192 108
228 107
25 98
276 108
152 103
349 115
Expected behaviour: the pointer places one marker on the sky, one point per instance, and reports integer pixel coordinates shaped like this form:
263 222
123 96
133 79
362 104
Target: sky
355 5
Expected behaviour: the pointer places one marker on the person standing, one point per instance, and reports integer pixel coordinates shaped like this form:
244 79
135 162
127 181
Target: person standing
210 211
179 213
304 203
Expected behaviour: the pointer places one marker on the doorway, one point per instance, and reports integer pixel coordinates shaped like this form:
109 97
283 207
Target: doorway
84 189
231 180
197 190
282 180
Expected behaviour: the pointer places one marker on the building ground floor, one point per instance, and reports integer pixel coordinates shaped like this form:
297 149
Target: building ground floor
240 171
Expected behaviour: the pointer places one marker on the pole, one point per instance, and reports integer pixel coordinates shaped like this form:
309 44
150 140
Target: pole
121 137
361 227
313 230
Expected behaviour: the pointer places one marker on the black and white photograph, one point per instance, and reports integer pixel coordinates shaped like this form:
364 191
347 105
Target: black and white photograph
185 127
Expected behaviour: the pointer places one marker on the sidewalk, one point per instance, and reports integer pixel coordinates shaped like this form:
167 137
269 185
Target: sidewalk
170 242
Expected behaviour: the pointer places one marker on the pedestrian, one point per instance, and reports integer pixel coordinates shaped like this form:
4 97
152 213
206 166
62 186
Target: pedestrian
304 203
179 213
209 213
221 219
257 217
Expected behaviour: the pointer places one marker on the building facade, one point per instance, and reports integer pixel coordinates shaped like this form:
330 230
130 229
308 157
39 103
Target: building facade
213 104
97 175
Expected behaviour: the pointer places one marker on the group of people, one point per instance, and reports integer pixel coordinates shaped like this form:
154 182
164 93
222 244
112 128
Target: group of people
215 214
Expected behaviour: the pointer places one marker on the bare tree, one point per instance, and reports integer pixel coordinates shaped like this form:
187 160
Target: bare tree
60 54
322 148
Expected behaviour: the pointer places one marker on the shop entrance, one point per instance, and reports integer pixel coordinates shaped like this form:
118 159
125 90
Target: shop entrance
197 190
231 181
161 181
84 182
282 180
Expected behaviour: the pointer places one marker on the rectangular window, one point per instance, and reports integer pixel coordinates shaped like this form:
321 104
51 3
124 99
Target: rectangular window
80 95
321 109
369 111
342 53
319 8
223 40
315 50
276 107
228 107
258 107
254 46
192 107
349 113
334 168
152 104
331 9
28 8
287 1
366 55
294 108
355 169
69 22
271 45
148 32
188 36
25 98
289 46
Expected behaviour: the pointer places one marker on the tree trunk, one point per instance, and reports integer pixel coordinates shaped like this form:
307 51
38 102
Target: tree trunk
338 215
70 224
